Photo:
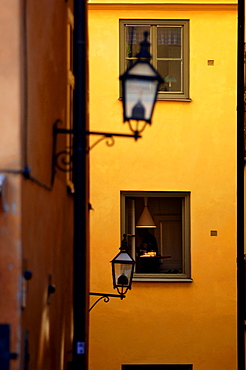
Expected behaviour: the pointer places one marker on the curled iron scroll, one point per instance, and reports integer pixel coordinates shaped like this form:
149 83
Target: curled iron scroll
110 141
105 299
64 160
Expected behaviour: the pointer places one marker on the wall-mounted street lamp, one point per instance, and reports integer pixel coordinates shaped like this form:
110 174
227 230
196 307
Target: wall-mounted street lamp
122 271
140 84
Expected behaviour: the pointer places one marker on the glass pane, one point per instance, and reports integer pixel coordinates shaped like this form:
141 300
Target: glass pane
171 245
169 42
159 250
140 98
172 74
134 35
123 274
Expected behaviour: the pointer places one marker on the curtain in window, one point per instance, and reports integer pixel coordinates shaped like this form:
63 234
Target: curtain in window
134 34
169 36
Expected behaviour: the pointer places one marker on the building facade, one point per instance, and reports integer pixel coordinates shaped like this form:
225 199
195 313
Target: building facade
181 312
36 216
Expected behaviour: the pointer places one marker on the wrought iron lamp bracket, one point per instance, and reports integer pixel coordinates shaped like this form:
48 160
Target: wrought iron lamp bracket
63 159
106 297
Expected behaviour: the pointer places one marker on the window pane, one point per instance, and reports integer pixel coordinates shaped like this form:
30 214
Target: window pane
159 250
171 72
162 250
169 42
134 35
171 245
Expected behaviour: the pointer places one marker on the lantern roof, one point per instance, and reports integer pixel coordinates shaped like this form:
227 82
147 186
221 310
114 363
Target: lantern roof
123 257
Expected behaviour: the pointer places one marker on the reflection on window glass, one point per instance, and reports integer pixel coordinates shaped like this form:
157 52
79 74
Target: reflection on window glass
169 40
157 228
171 72
134 35
169 58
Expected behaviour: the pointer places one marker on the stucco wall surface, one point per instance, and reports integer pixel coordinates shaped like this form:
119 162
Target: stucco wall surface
10 159
47 230
36 215
190 146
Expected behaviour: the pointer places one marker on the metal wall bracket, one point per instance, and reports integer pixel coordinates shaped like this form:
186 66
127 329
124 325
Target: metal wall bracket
106 297
63 160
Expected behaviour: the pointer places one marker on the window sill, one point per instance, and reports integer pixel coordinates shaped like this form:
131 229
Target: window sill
164 278
174 99
170 99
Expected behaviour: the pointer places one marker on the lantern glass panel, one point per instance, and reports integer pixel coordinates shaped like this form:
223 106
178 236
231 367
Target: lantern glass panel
140 98
123 273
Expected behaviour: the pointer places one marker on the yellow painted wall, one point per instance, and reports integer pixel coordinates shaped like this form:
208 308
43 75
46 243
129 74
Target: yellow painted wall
189 147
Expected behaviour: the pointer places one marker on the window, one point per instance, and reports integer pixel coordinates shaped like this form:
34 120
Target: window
169 50
162 252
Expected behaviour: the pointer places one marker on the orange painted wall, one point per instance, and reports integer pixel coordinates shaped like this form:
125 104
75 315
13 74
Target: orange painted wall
36 217
10 201
47 225
191 146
